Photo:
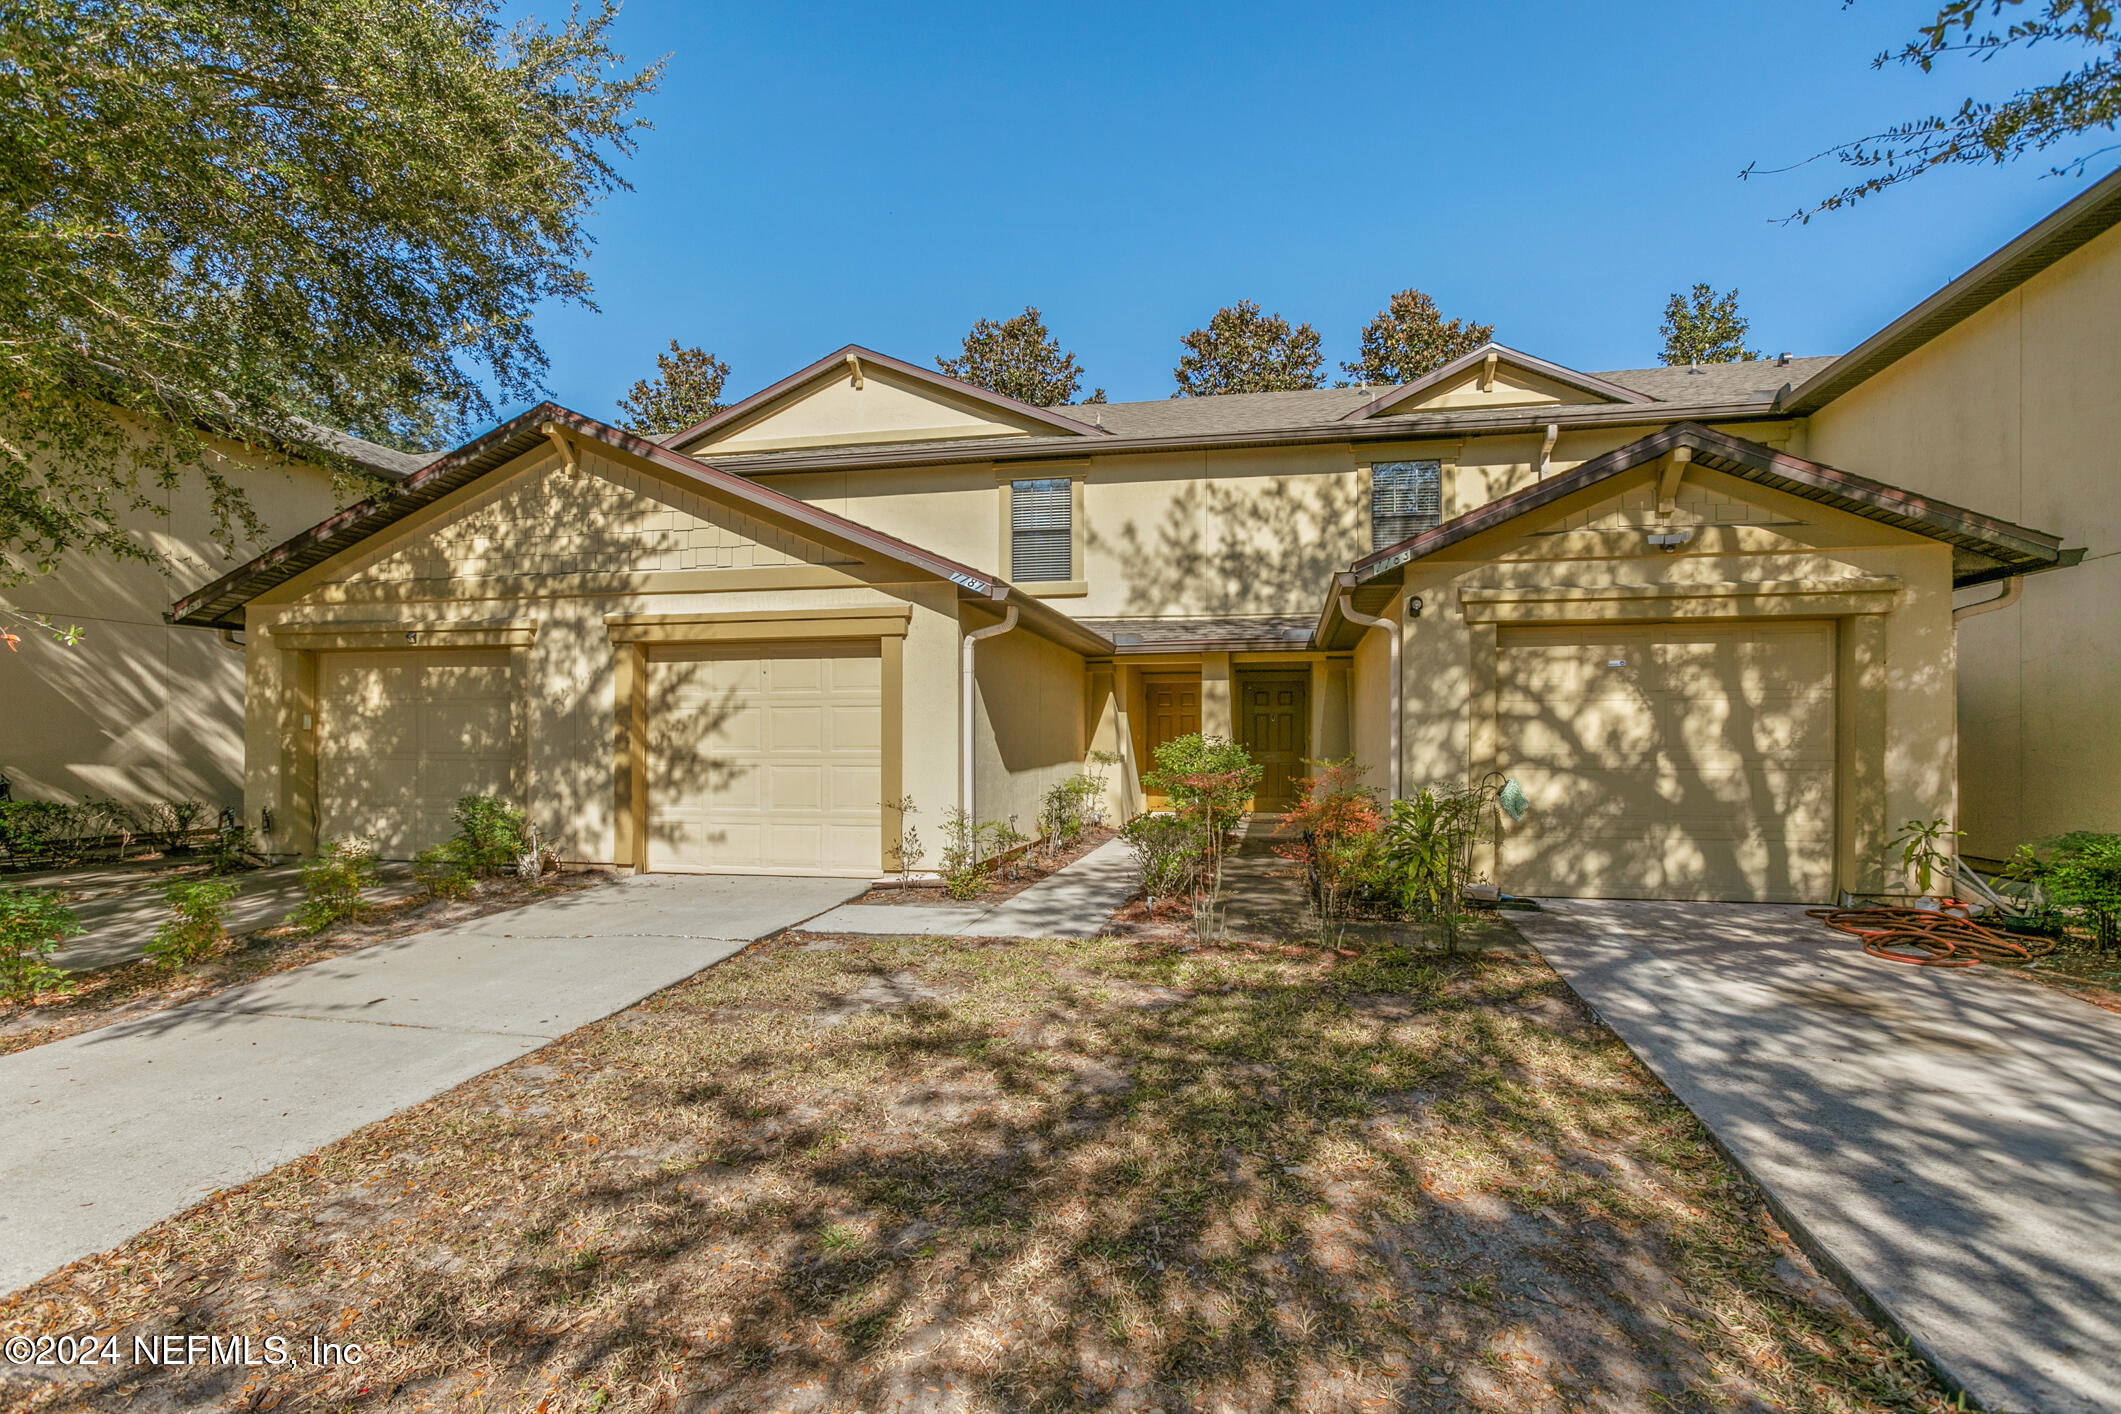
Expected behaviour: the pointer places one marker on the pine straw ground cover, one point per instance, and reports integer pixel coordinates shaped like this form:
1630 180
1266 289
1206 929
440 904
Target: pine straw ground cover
873 1174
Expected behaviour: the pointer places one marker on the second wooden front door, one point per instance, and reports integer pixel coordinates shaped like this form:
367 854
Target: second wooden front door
1275 726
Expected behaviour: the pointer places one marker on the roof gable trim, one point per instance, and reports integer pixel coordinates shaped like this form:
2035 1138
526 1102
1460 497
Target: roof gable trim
755 406
1588 383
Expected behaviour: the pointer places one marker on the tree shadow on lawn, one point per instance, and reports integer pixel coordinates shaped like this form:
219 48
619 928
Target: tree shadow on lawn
1038 1176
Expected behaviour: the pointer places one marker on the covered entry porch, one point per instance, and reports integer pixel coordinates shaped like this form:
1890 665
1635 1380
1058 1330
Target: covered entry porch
1255 681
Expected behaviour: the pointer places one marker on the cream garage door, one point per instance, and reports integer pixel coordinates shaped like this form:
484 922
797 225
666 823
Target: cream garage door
766 761
1670 761
401 734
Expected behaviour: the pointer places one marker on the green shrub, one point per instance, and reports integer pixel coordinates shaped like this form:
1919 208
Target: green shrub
2080 873
51 830
334 880
491 835
235 848
33 922
908 852
964 863
1340 833
198 922
1065 811
441 870
1923 853
1166 854
1428 847
166 824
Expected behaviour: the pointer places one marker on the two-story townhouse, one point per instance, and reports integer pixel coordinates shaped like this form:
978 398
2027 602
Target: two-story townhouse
1721 665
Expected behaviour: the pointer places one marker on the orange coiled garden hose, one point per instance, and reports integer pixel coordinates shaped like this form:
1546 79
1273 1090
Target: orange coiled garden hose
1928 938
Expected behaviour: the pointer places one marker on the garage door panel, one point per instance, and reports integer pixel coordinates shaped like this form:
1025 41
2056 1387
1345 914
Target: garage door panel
793 728
1676 761
766 759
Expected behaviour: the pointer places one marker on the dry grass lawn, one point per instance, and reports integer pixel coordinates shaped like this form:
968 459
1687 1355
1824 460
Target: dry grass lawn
859 1174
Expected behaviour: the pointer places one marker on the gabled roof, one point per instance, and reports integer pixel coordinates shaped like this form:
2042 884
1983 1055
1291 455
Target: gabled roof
1589 383
220 604
2089 215
833 362
1983 548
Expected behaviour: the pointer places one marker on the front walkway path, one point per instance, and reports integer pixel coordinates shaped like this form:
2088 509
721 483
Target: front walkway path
1950 1140
1077 901
110 1131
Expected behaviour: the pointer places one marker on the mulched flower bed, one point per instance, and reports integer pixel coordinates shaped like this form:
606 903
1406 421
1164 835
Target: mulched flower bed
1010 878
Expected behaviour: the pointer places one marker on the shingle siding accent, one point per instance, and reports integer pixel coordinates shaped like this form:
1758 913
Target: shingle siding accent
609 519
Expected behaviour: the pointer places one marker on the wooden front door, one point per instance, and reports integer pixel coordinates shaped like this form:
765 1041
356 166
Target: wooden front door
1172 701
1275 727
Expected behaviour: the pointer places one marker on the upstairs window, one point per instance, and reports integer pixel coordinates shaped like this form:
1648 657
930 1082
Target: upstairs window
1406 498
1041 530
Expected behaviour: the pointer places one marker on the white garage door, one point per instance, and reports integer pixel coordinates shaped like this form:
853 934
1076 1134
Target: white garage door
766 760
402 734
1670 761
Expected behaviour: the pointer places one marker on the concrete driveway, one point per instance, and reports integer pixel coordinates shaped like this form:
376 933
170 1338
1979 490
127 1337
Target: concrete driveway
111 1131
1951 1140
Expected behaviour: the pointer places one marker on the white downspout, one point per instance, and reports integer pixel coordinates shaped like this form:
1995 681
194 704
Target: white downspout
1347 611
2012 589
964 715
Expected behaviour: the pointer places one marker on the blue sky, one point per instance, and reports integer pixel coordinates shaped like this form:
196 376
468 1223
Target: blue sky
887 174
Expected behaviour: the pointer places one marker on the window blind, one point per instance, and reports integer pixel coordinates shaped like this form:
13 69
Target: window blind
1406 498
1041 533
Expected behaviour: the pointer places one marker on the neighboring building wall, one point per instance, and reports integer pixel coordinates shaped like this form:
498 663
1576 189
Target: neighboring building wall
140 711
2013 413
1029 731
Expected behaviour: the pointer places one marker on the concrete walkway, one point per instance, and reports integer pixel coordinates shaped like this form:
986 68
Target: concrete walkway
113 1130
1949 1140
120 907
1075 902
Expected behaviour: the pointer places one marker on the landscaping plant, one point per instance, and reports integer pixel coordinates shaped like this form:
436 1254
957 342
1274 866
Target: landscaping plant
1428 847
198 920
33 922
491 835
334 880
1165 856
1339 828
235 847
440 869
1065 811
1209 782
167 824
1923 853
908 851
964 863
2080 873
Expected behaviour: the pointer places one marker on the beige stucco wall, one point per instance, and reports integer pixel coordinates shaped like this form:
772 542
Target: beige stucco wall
1030 723
836 411
139 711
1743 533
2013 413
499 551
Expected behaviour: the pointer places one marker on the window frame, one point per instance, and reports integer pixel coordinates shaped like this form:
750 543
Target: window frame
1415 518
1074 586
